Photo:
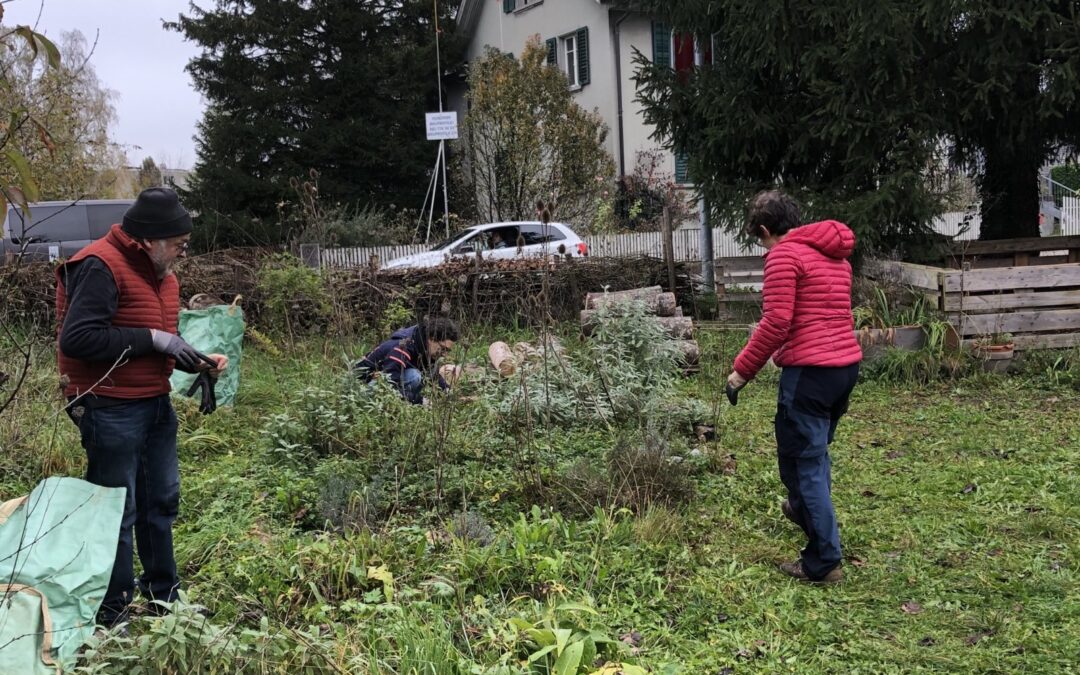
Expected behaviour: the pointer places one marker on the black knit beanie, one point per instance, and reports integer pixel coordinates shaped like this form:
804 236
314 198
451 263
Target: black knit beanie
157 214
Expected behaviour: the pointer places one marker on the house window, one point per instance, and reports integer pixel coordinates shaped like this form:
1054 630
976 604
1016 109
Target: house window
570 60
570 54
518 5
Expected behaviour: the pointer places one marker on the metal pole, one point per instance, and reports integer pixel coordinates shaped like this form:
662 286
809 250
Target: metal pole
708 276
445 198
442 144
669 248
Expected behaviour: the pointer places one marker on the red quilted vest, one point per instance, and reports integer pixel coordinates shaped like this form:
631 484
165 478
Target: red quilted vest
144 302
807 315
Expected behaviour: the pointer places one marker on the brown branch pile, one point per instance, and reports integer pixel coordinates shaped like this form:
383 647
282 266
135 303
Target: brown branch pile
524 291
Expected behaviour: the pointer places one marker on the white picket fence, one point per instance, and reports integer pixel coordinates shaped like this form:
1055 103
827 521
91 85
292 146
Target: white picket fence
961 225
686 243
1070 216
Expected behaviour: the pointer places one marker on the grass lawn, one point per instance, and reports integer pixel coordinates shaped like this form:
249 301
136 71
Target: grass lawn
957 504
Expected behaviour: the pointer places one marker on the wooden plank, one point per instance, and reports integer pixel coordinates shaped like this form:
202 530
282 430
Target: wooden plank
956 302
1012 246
997 263
1036 341
746 264
920 276
755 298
1008 278
1017 322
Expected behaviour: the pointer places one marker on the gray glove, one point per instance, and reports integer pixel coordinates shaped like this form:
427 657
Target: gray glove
187 357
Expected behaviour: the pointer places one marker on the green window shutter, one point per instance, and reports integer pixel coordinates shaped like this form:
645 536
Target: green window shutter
661 44
682 167
553 48
583 56
508 5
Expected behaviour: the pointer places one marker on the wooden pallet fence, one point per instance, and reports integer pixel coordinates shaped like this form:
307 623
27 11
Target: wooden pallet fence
1019 252
1039 305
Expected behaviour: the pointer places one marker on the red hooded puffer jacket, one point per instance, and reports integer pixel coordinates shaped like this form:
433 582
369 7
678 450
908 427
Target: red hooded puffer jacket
807 319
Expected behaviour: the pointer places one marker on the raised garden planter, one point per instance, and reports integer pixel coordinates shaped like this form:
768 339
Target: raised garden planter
874 341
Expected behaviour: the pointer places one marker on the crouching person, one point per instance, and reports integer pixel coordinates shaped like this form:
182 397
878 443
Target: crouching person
409 355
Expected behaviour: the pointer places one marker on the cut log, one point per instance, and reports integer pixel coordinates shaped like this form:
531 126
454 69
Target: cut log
502 358
451 373
690 352
660 304
597 300
680 327
666 304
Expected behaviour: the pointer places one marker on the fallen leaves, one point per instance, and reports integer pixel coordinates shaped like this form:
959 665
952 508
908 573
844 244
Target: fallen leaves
911 607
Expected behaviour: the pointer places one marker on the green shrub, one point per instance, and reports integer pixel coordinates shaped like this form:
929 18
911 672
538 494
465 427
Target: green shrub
293 294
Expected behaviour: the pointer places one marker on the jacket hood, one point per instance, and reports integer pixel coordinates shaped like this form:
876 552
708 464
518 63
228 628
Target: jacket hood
415 334
831 237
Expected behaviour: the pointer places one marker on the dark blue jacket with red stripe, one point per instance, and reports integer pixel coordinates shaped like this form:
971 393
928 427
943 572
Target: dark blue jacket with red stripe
406 348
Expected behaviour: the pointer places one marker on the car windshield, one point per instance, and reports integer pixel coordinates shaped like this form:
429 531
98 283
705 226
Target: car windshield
446 242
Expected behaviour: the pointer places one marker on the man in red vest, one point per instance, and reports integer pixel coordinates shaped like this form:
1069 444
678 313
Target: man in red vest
117 305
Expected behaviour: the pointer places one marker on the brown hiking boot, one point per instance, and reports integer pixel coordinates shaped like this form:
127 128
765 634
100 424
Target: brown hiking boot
795 569
789 513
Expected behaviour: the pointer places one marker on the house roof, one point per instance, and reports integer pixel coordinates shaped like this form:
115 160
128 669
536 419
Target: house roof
467 15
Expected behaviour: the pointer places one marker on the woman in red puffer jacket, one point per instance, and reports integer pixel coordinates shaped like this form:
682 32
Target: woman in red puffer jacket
808 330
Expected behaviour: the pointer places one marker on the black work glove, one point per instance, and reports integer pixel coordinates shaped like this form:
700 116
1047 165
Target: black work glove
205 382
187 357
733 393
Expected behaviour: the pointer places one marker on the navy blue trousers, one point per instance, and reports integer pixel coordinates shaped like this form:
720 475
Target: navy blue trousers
133 446
809 406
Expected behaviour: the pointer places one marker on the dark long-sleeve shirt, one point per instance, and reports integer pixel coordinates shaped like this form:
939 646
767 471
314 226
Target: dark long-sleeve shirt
88 333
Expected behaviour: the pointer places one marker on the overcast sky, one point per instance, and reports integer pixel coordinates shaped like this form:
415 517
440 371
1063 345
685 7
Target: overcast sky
156 107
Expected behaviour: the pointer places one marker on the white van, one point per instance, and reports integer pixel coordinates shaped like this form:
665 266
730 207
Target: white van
54 230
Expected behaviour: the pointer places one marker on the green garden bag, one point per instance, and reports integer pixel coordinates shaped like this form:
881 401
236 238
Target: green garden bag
214 330
57 548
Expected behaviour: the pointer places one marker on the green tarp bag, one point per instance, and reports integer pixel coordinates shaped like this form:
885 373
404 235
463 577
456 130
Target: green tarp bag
57 548
214 330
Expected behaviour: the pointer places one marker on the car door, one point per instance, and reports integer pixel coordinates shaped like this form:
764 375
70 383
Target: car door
540 239
50 231
466 248
509 234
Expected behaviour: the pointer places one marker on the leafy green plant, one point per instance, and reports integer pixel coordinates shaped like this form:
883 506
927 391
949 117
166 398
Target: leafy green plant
294 295
883 313
562 643
996 339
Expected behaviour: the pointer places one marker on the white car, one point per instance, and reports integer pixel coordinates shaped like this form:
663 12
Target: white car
499 241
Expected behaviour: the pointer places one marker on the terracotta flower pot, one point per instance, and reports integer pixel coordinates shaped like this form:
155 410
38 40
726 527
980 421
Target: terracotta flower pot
995 358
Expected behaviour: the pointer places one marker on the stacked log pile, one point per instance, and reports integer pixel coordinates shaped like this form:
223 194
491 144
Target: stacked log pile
665 311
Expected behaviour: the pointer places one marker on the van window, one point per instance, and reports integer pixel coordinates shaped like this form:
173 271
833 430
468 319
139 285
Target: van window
50 223
101 217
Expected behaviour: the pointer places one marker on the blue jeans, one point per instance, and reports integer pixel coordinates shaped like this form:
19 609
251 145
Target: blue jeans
133 445
410 385
809 407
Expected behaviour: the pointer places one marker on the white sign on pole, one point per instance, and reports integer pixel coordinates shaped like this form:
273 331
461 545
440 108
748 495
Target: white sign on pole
54 253
441 126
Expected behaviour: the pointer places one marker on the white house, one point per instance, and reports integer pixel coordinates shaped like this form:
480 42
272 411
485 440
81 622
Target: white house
594 44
